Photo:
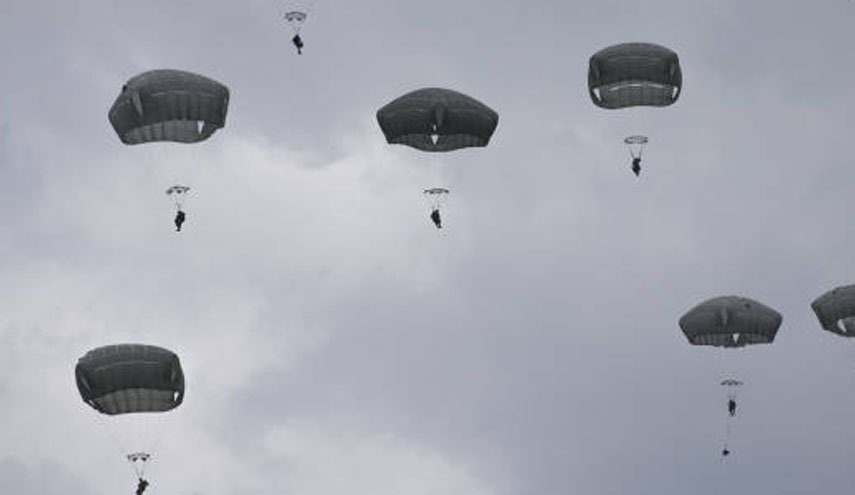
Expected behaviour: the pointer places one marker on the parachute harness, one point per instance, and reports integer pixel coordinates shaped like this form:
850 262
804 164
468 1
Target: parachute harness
435 197
178 193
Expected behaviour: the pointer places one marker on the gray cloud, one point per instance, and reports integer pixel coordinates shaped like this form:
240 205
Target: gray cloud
332 340
45 477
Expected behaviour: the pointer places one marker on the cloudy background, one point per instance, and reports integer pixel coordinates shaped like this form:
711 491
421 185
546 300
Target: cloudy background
334 342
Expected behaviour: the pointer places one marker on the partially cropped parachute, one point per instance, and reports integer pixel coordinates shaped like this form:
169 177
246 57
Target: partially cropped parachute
169 105
634 74
835 310
435 119
130 378
730 321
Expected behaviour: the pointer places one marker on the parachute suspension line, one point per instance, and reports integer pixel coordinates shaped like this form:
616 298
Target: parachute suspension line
145 434
124 450
144 457
632 153
185 165
178 193
194 156
435 198
139 460
728 433
728 429
635 144
117 441
435 203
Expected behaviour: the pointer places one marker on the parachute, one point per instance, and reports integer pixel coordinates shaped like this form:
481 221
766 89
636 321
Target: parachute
128 380
634 74
730 321
178 192
295 12
635 145
436 119
169 105
295 19
835 310
436 196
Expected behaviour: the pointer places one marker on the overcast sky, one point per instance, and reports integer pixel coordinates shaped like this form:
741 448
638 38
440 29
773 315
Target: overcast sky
335 343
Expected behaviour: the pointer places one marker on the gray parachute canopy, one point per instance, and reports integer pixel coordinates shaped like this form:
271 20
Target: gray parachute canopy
130 378
835 310
435 119
634 74
169 105
730 321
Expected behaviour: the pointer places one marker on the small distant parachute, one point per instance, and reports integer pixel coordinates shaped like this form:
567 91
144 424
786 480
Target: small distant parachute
295 19
635 145
436 191
436 119
130 378
295 12
731 383
169 105
835 310
177 189
634 74
435 197
730 321
177 193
